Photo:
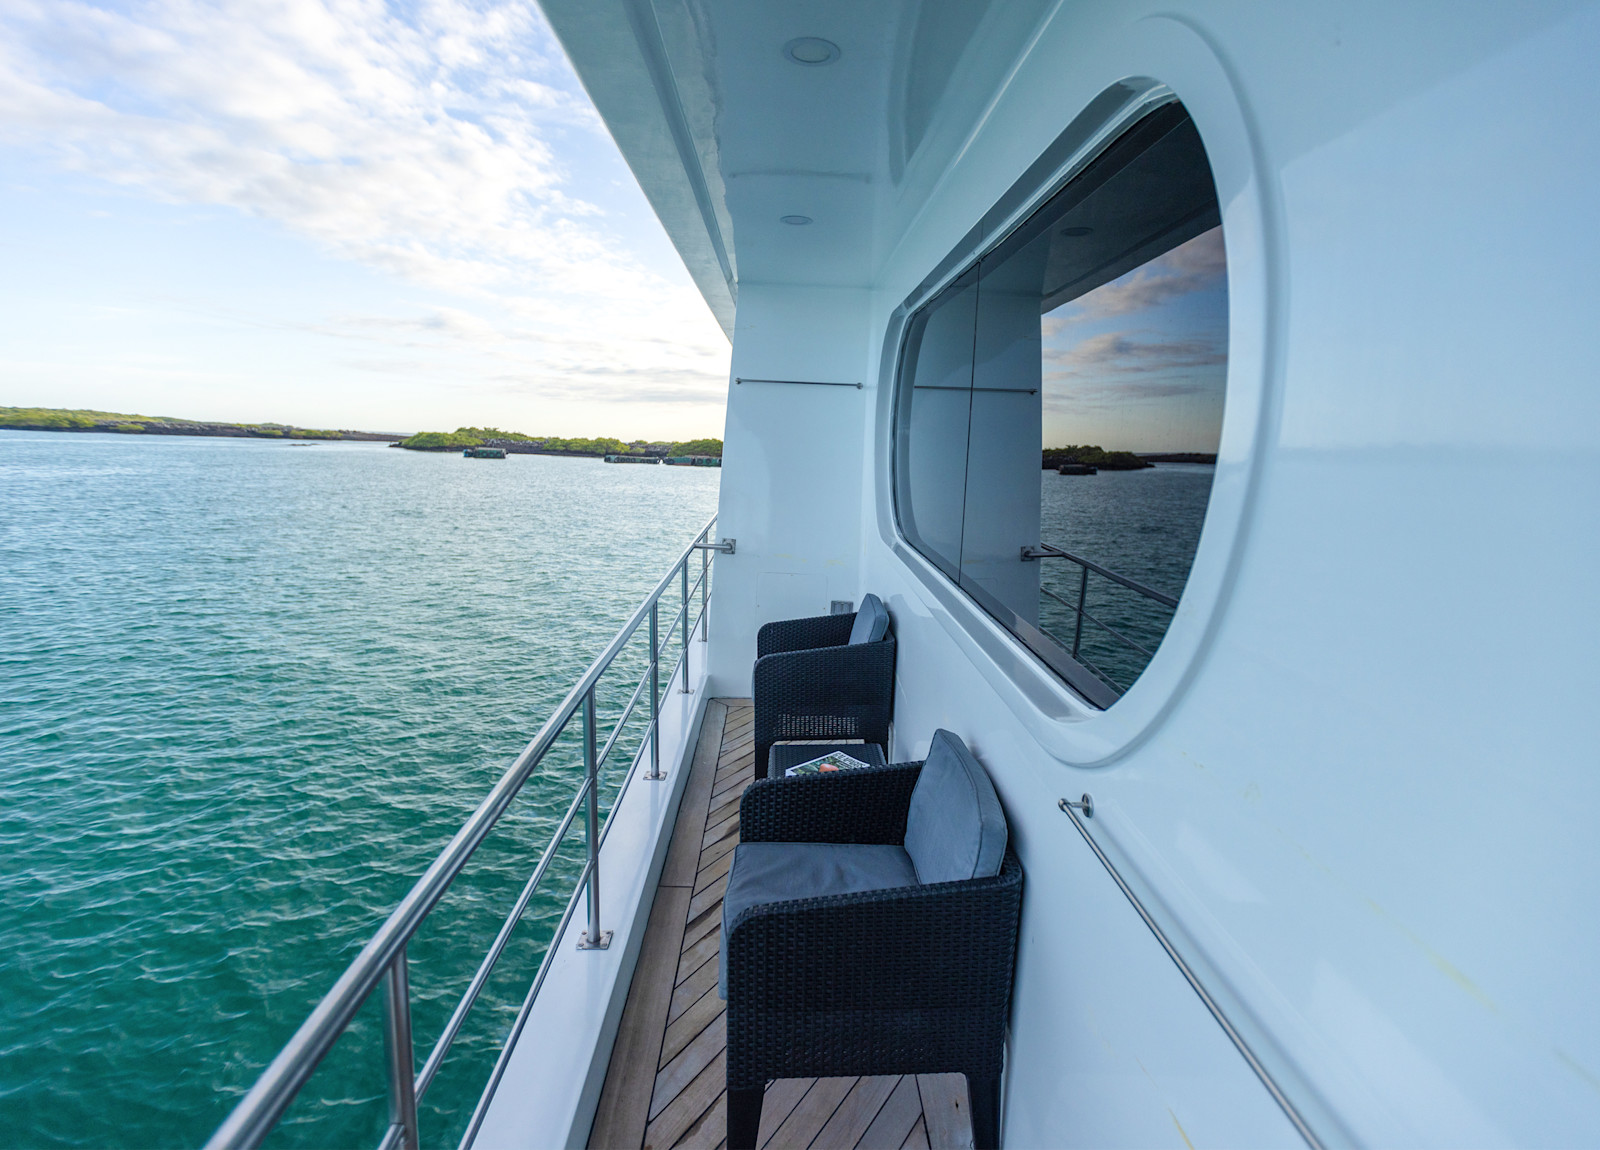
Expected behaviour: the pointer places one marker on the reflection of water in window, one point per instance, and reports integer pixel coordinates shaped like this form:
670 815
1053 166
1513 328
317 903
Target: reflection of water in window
1137 365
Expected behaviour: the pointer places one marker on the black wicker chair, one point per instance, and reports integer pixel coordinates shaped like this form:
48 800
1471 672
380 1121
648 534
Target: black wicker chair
813 682
905 979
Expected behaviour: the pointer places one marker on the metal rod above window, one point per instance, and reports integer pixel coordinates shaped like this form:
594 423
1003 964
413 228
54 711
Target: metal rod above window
945 387
800 382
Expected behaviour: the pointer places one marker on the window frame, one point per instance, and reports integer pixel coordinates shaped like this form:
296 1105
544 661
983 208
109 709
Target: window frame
1021 206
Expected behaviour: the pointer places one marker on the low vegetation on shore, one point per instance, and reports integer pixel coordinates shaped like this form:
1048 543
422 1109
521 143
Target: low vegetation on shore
71 419
75 419
516 441
1090 456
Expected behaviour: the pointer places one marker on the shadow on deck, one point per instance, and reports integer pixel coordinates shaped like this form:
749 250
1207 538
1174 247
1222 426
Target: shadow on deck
665 1085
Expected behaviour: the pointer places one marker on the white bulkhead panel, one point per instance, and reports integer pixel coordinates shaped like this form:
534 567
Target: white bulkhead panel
1357 784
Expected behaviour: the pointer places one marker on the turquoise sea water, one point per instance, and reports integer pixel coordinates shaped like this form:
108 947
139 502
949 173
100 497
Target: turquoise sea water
247 692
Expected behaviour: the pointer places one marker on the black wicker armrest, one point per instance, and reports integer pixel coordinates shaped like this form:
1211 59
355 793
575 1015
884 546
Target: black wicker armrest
804 634
860 806
907 980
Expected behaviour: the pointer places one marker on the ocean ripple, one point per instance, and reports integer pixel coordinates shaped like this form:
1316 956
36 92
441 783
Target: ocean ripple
246 695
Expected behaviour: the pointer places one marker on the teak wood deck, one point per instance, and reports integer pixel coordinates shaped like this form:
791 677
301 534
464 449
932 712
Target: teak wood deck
665 1084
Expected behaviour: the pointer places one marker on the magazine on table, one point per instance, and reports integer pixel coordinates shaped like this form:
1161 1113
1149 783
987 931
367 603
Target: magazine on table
827 765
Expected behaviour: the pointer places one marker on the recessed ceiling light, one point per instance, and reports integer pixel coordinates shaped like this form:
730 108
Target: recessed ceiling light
797 221
811 51
1076 231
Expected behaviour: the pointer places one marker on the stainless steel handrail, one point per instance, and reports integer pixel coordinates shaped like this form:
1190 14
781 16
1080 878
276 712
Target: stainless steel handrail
1080 608
383 958
1050 551
1083 810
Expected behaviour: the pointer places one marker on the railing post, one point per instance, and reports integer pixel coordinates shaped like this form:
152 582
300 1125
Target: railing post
683 687
1083 589
593 938
397 1048
655 691
705 593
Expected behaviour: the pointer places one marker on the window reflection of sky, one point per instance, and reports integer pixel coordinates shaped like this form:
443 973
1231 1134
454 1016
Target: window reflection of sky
1139 363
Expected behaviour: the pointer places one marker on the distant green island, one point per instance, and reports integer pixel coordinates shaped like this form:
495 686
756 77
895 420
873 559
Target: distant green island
122 423
515 442
64 419
1090 456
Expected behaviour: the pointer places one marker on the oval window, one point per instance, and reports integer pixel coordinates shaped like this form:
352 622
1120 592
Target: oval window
1059 406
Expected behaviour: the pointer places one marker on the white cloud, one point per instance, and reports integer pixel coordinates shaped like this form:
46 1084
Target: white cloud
429 146
1121 353
1199 264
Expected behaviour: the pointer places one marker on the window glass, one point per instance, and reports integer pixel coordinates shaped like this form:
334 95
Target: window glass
1093 342
934 417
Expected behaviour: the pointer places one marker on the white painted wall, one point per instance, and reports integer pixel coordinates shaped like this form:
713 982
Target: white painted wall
792 468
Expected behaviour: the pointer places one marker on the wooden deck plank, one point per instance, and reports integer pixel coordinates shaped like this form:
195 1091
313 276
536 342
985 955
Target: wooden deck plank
711 872
710 1131
706 1048
708 920
690 989
723 846
727 808
704 900
855 1114
706 1010
944 1106
811 1113
895 1119
718 830
918 1138
686 1108
727 790
683 854
699 952
630 1078
778 1103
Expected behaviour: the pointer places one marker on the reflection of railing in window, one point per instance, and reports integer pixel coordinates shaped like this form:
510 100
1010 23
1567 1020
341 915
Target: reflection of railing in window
1080 611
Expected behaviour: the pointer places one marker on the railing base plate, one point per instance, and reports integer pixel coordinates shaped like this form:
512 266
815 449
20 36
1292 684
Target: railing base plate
604 943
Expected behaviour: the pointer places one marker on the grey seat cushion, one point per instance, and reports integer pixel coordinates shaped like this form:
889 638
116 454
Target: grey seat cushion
955 828
782 756
778 872
872 621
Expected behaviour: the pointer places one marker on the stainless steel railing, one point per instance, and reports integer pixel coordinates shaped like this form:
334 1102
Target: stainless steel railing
383 959
1080 610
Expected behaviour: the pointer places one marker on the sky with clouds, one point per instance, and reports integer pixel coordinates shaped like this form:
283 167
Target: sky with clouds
1139 364
335 213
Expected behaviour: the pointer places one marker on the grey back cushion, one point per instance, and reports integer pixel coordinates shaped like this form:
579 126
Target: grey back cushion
955 828
872 621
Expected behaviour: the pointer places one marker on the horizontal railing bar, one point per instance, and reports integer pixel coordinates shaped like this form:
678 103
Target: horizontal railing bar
522 1015
1051 551
1135 644
1143 650
256 1113
486 967
392 1137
